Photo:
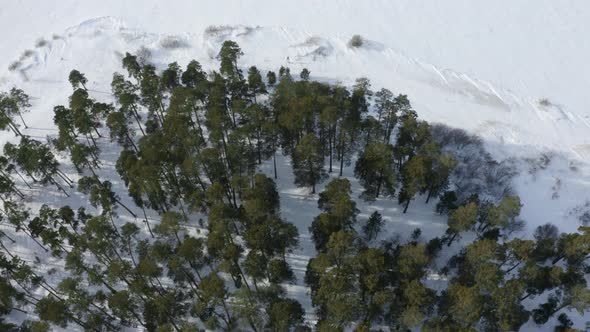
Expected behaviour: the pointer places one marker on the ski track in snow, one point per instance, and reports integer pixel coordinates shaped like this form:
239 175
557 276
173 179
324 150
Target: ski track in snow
513 125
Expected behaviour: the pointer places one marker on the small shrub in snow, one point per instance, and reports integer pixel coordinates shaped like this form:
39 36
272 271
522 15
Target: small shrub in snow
172 42
217 30
545 102
41 43
555 188
26 54
14 65
56 37
311 41
356 41
582 212
144 55
540 163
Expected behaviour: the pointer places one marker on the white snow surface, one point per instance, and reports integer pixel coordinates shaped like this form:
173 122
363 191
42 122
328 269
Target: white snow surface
478 65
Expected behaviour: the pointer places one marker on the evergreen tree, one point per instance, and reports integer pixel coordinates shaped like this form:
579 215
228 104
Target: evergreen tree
304 74
16 102
132 65
412 133
375 170
125 93
255 84
461 220
386 113
339 212
152 95
271 78
413 179
37 161
372 227
77 79
339 302
171 76
308 162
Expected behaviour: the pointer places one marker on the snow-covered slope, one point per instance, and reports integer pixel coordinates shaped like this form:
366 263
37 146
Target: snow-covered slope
481 66
513 125
536 48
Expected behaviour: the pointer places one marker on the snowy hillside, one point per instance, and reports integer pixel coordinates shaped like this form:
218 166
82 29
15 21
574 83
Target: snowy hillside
512 124
515 74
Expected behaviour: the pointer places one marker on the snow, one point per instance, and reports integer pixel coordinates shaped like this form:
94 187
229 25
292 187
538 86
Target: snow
481 66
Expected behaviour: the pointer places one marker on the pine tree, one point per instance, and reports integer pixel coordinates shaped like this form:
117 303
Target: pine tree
337 296
131 64
77 79
171 76
329 119
228 55
285 314
461 220
386 113
375 170
37 161
413 179
304 74
308 162
152 95
14 103
372 227
194 76
271 78
412 133
339 212
255 84
439 171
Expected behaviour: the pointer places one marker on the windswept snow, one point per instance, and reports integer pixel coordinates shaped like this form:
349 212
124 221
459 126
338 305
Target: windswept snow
482 66
513 126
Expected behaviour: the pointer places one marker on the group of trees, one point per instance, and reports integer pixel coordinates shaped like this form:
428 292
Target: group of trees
191 145
355 283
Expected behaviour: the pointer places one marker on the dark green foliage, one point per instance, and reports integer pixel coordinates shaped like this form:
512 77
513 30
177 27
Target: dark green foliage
271 78
304 74
255 83
52 310
375 170
77 79
285 314
447 203
16 102
372 227
339 212
308 163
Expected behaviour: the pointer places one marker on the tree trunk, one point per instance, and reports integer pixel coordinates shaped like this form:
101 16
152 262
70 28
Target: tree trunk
147 222
22 178
138 120
23 120
341 163
130 140
452 239
97 133
330 148
274 162
258 147
15 129
126 208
